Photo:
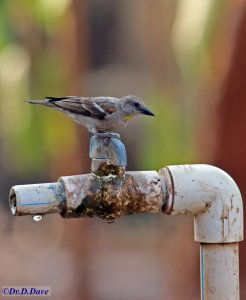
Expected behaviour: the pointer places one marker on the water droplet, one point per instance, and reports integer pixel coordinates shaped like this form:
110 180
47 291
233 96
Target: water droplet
37 218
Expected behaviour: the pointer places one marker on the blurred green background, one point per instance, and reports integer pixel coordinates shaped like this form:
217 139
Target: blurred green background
176 56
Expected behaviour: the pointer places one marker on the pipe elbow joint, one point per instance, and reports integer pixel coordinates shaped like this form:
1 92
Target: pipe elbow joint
211 195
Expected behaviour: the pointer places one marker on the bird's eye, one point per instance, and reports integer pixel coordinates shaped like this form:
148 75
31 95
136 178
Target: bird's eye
136 104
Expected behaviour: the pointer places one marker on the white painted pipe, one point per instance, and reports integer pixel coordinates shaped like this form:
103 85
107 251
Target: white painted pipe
212 196
219 271
214 199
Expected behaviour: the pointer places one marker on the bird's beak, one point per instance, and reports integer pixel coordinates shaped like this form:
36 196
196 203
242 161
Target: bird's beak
146 111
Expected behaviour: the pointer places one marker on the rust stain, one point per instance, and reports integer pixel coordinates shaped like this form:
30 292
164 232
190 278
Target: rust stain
168 202
224 216
232 201
110 197
105 169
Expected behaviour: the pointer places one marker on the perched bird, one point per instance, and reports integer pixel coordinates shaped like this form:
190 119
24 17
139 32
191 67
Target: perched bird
98 114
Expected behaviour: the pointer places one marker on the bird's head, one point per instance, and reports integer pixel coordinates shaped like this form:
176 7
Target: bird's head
131 106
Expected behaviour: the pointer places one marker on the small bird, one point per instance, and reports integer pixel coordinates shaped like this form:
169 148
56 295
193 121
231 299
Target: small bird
98 114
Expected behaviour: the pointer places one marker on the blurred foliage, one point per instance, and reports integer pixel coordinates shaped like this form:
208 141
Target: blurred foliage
32 66
167 141
192 35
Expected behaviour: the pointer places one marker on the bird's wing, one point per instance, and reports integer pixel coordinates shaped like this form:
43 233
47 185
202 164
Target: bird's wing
80 105
108 104
95 109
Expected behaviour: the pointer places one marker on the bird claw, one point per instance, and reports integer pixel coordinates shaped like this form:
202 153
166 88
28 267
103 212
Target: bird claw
107 135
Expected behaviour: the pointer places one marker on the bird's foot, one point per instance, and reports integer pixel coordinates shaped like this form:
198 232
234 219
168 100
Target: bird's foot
107 135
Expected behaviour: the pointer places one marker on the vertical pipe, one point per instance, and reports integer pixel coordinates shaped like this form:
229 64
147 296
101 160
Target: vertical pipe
219 271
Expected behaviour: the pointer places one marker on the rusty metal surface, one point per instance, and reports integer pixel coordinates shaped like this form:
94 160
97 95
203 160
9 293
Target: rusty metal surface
219 271
110 197
103 167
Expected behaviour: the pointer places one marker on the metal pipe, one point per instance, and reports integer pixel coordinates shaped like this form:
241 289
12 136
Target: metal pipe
36 199
106 197
108 154
205 191
111 197
219 271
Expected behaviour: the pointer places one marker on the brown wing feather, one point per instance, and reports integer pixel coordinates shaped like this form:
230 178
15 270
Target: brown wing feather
91 106
79 105
108 105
